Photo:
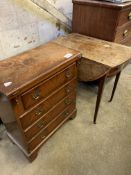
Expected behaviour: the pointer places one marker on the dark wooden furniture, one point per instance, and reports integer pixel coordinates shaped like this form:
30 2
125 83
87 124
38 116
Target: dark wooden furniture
104 20
0 121
41 87
100 59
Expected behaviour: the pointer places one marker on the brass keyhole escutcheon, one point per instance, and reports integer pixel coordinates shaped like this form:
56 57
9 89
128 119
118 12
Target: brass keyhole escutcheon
68 101
39 112
40 124
68 89
129 16
43 136
66 114
125 33
36 95
68 74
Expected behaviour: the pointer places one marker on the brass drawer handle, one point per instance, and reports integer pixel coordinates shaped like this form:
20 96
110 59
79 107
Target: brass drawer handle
36 95
68 101
129 16
40 124
39 112
68 89
125 33
68 74
43 136
66 114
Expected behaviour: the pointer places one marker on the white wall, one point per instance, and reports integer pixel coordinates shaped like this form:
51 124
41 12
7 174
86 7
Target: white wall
65 6
23 25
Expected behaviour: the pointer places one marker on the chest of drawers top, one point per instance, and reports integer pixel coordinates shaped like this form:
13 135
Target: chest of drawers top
29 68
103 3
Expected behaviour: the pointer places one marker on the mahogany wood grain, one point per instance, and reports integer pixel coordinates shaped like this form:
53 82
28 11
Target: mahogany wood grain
33 67
123 33
127 42
47 87
29 117
103 3
47 70
33 154
44 133
125 16
46 119
102 19
92 21
17 106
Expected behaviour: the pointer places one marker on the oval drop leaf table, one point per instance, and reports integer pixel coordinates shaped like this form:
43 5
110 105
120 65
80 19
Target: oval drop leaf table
100 59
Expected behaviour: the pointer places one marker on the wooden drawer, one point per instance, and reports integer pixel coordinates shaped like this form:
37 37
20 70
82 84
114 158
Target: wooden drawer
127 42
125 17
33 96
46 105
123 33
54 112
44 133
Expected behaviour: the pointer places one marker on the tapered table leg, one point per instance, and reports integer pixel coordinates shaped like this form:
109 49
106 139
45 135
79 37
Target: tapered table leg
99 96
115 86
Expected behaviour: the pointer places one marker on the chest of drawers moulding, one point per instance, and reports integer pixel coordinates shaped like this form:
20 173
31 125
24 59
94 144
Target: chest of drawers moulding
41 94
103 20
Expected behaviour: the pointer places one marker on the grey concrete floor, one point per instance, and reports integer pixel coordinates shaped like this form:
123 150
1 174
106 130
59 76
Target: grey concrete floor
79 147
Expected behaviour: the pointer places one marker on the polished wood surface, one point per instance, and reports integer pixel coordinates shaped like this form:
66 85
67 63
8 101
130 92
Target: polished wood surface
41 97
46 131
104 20
35 64
48 117
47 87
123 34
103 3
45 105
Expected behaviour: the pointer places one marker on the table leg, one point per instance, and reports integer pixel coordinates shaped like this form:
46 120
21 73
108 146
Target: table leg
99 96
115 86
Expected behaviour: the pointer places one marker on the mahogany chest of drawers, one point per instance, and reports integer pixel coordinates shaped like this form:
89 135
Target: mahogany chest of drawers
104 20
40 86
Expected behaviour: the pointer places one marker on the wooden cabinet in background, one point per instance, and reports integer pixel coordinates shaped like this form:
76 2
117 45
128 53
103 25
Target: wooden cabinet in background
41 87
104 20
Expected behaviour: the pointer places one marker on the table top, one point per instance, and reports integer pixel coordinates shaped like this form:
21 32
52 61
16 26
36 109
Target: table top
107 53
18 71
102 3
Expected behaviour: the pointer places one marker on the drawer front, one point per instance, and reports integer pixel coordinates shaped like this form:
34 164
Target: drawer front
46 105
44 133
125 17
34 96
123 33
127 42
47 118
